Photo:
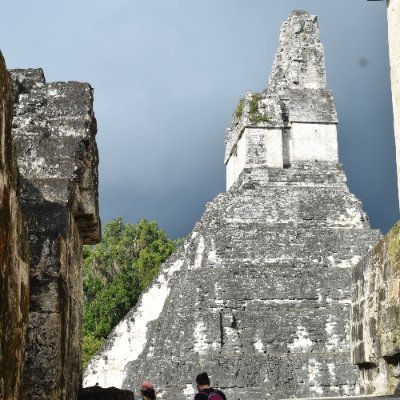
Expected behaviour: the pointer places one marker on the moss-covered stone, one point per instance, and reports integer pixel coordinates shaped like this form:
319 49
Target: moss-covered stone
393 244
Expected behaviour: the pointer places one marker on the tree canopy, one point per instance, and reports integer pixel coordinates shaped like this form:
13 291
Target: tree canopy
115 273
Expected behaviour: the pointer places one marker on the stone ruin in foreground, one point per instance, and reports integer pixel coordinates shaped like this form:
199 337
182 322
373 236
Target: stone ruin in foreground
48 209
260 295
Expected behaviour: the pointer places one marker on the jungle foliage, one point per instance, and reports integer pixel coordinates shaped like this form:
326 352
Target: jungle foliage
115 273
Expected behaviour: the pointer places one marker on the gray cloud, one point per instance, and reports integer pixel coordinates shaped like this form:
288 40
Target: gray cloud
168 75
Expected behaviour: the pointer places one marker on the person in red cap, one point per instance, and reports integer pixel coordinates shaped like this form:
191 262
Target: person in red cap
147 391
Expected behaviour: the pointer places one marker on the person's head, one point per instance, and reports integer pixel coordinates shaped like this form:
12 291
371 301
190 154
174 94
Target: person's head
202 381
147 390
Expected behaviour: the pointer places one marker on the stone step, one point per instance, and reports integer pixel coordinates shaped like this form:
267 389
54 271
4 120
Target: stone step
236 374
273 330
302 173
256 242
300 209
319 285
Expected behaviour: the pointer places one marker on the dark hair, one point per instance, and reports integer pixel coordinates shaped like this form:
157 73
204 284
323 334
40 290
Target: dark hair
202 379
151 394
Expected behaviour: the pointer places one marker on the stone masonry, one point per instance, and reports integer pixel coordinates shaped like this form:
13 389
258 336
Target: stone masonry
54 131
375 329
259 296
14 254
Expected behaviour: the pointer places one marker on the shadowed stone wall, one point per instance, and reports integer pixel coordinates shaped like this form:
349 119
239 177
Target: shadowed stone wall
54 131
375 331
14 255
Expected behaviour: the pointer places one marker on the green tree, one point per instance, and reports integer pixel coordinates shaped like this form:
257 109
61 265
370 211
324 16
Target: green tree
90 345
115 273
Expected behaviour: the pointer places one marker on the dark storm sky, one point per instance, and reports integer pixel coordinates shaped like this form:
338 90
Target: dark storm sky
167 77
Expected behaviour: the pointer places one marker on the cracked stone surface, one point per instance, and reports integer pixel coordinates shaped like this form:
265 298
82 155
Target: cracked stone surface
54 132
259 295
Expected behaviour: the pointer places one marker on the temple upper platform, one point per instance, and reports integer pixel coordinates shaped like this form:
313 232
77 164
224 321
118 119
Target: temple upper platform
294 119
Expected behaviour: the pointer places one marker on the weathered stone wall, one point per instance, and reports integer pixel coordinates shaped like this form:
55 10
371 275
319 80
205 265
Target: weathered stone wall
393 16
14 254
310 141
54 130
375 330
256 147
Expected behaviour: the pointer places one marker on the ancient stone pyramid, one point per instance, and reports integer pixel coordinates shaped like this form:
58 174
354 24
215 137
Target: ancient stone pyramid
259 295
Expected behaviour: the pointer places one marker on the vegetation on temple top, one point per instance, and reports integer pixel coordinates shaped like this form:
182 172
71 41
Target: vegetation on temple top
239 108
255 115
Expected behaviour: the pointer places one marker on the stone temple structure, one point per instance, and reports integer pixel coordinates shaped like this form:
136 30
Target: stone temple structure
259 295
48 210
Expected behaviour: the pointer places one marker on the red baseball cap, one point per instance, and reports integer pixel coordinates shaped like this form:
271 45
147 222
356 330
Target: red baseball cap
147 386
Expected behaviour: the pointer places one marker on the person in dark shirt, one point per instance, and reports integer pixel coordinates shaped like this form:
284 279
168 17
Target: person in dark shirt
205 390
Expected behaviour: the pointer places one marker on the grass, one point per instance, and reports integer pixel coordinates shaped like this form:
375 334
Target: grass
255 115
239 108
